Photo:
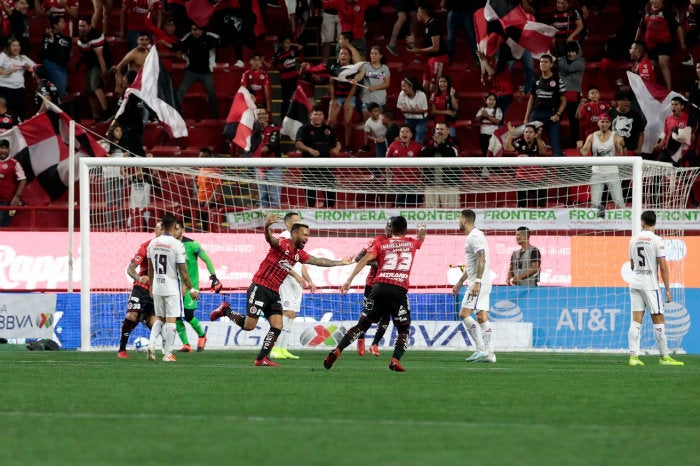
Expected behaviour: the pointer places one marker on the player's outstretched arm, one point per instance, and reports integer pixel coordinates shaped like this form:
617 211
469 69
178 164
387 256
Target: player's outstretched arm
369 257
323 262
269 237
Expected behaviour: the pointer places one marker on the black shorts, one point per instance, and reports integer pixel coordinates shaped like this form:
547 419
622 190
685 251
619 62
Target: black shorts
388 300
404 6
140 301
662 49
260 299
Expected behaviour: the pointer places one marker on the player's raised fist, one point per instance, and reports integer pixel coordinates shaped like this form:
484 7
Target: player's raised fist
271 219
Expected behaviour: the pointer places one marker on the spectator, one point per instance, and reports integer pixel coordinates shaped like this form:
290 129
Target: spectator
351 14
528 145
414 105
97 58
12 182
442 183
525 263
133 120
569 24
137 16
433 46
497 77
343 98
392 129
45 90
66 9
460 15
676 140
257 81
56 50
691 25
317 140
266 143
19 22
405 179
641 64
375 130
405 9
330 27
133 60
656 29
177 11
489 118
571 69
7 120
13 65
377 78
604 143
444 104
297 22
208 189
199 48
113 180
589 110
285 60
628 122
547 103
101 11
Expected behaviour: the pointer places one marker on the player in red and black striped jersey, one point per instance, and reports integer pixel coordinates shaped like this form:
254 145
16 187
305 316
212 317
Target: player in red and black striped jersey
140 307
263 294
369 283
389 296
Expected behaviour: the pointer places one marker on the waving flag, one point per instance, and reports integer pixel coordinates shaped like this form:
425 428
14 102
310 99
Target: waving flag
655 102
500 136
40 145
506 21
145 87
241 119
298 113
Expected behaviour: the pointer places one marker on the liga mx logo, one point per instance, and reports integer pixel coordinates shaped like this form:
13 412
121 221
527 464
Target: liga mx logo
506 311
320 335
44 320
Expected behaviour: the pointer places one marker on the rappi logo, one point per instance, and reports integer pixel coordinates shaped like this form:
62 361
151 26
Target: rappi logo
44 320
320 335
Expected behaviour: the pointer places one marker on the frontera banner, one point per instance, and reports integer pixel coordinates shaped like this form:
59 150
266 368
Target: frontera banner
25 315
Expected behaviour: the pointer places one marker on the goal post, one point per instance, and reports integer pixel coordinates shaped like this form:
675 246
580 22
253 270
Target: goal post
581 303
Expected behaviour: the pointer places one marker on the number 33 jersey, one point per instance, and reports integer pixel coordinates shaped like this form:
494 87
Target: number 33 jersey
395 259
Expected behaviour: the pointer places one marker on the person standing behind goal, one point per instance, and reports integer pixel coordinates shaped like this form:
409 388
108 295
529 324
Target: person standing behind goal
476 298
166 270
647 257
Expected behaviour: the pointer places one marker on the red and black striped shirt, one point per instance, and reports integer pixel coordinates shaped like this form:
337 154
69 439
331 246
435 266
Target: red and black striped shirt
277 264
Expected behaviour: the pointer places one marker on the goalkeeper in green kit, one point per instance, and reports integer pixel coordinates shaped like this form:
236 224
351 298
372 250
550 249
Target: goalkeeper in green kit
193 251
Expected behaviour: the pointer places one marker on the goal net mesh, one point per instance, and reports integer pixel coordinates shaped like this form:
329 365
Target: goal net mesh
581 302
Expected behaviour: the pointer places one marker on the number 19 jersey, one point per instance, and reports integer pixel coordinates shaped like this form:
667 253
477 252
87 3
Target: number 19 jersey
395 259
645 248
166 252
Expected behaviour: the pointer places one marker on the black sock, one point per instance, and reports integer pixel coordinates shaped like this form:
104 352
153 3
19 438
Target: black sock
401 342
237 318
269 342
381 330
127 327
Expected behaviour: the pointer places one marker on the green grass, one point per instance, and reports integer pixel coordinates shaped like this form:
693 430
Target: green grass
211 408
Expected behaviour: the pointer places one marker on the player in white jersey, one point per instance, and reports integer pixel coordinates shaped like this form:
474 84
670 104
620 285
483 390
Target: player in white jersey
476 299
647 257
167 271
291 294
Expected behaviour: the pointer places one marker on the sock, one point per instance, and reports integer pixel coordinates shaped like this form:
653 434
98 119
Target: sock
352 334
155 333
381 330
486 334
127 327
660 336
392 41
401 342
474 331
197 327
633 335
268 342
287 325
169 332
182 331
237 318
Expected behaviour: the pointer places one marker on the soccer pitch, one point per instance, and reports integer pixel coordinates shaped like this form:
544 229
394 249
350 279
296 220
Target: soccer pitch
215 407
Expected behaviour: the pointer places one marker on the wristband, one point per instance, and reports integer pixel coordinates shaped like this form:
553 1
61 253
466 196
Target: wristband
194 290
477 280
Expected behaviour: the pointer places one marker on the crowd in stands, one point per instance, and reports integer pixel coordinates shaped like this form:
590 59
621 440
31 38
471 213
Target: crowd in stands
421 95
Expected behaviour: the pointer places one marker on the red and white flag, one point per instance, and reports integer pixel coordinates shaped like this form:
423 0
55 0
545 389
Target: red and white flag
145 87
655 103
241 119
298 113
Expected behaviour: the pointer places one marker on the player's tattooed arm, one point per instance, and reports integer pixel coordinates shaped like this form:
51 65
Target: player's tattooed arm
269 237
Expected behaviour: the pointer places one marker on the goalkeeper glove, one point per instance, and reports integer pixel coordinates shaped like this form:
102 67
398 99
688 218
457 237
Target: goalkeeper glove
215 284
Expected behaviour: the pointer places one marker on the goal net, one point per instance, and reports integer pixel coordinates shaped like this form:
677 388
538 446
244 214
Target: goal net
580 303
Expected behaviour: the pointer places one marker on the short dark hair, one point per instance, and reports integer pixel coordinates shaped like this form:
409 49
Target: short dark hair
4 143
624 94
206 150
255 54
144 33
168 220
649 218
298 225
290 215
348 35
640 44
372 105
547 56
593 86
54 19
425 6
526 230
180 223
469 215
399 225
679 99
388 114
318 108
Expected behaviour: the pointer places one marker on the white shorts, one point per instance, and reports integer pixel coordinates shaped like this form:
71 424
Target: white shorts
291 6
652 299
290 293
168 306
477 303
330 28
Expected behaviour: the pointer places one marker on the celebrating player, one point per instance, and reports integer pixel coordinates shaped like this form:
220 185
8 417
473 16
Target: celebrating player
389 296
263 294
369 283
140 307
193 250
647 256
476 252
166 270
